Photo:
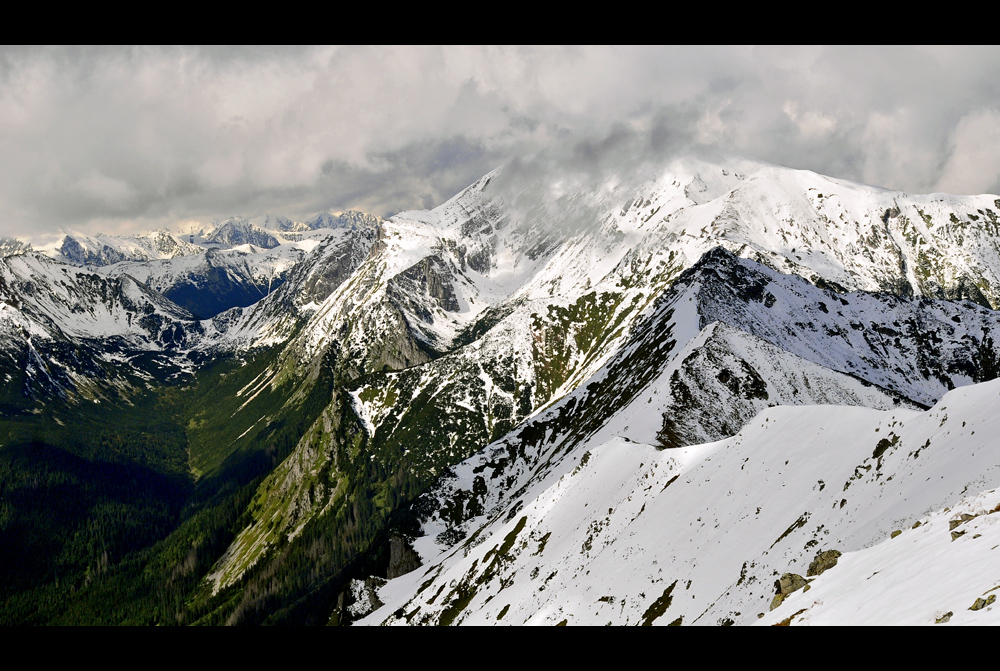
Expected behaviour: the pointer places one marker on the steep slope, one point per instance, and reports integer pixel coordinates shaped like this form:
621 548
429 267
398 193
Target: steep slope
493 253
429 335
680 379
942 570
620 532
74 332
826 230
520 323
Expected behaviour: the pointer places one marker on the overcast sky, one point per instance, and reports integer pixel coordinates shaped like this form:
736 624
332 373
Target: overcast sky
122 139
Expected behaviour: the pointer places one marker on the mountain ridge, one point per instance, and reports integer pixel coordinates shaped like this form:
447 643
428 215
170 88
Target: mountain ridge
427 377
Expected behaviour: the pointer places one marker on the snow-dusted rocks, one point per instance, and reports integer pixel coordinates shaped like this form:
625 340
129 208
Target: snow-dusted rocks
624 533
103 250
588 380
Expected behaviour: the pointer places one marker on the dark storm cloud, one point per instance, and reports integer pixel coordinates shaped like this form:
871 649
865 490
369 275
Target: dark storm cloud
127 138
544 185
419 175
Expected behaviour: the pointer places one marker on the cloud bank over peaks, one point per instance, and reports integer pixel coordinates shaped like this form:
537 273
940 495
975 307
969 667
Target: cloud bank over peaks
129 138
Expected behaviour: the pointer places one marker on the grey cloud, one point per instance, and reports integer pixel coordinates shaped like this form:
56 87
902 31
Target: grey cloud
417 176
151 135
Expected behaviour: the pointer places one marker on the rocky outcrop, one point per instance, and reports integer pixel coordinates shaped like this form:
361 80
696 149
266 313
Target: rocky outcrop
352 219
357 600
402 558
786 585
430 277
983 603
824 561
421 291
336 266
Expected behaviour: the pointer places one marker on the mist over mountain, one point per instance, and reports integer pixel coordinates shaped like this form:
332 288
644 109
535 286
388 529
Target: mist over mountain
637 383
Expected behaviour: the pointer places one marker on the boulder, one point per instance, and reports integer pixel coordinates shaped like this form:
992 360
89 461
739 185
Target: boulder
776 601
789 582
823 561
983 603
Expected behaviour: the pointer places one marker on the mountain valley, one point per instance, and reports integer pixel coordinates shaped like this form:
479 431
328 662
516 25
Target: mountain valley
658 398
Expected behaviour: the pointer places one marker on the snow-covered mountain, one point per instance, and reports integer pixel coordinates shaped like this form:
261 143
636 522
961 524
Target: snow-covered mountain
620 532
490 251
464 321
237 232
215 280
101 250
74 332
543 375
348 219
12 246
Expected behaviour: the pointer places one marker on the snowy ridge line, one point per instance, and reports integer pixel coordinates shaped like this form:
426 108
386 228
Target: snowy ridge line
624 533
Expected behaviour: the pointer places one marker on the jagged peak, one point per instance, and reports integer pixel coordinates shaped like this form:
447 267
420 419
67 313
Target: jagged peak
344 219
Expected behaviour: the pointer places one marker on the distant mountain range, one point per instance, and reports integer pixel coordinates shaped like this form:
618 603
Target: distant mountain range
523 406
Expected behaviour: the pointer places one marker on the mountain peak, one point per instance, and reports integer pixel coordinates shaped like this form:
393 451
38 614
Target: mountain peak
346 219
237 231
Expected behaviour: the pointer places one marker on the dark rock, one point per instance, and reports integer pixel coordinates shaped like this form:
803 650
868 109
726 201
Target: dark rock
823 561
402 558
983 603
789 582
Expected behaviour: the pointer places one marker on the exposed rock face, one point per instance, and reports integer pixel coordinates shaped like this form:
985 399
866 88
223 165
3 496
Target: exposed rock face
394 348
358 599
430 277
11 246
76 253
364 596
421 291
790 582
785 585
824 560
338 265
955 523
983 603
402 558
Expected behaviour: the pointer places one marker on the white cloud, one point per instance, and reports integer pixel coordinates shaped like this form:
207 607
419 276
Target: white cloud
973 165
160 135
812 124
114 192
